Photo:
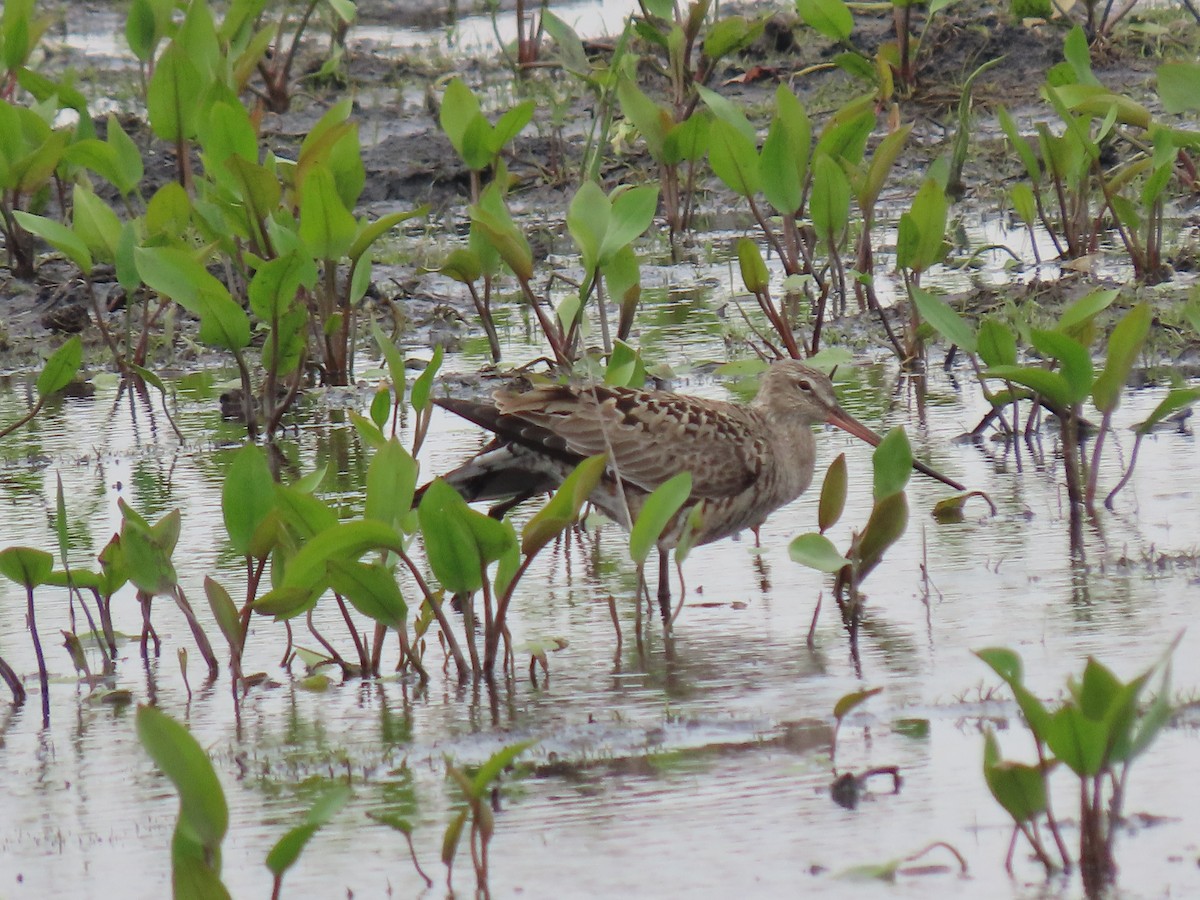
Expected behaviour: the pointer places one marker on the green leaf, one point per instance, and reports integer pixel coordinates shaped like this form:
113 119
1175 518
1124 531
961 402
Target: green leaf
755 276
948 323
203 815
831 18
289 847
1176 399
1078 741
658 510
391 481
1074 358
326 226
306 576
449 543
833 494
996 344
60 368
1179 87
563 508
1018 788
829 203
650 119
1086 308
26 566
419 398
1078 56
892 463
888 521
849 702
173 95
733 158
1050 386
817 552
225 612
1124 345
59 236
1022 147
372 590
632 213
247 496
496 763
588 221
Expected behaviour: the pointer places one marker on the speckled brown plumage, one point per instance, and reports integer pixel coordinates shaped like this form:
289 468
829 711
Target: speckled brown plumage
746 460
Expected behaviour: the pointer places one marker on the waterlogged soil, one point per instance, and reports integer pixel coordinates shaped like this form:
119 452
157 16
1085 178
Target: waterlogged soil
698 766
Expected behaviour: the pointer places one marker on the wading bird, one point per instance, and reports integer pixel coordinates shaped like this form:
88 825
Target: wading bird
746 460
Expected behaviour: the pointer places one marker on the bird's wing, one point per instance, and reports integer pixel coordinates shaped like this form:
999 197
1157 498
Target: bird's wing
651 435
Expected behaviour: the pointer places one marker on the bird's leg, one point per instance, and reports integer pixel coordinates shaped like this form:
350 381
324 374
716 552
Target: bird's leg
664 585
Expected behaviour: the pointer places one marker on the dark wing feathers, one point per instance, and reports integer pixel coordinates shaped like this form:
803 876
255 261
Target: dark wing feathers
652 435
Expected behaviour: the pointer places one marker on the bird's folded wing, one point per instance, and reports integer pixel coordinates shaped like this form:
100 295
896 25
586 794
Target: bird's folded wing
651 435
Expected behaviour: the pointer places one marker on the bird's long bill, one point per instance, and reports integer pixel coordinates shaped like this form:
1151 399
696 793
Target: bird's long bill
843 420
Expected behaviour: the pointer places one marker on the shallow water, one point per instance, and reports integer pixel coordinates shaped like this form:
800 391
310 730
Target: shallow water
703 770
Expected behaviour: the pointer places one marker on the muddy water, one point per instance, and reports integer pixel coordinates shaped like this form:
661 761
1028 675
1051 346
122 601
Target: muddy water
699 768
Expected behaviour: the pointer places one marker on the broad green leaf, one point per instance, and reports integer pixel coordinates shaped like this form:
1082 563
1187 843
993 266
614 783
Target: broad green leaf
650 119
948 323
656 514
1022 147
831 18
996 344
1018 788
203 815
1076 362
449 543
1086 308
419 397
1050 386
755 276
833 494
882 160
1179 87
173 95
1176 399
59 236
26 566
327 227
817 552
289 847
892 463
487 773
391 481
372 590
459 108
632 213
829 203
1078 56
888 521
225 612
563 508
370 232
1079 742
588 221
60 368
247 497
733 158
1124 345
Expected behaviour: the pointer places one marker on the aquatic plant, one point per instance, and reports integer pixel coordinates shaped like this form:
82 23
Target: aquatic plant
1097 733
892 463
1086 195
477 793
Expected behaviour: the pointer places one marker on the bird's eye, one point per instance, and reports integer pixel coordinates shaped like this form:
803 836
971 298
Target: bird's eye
804 385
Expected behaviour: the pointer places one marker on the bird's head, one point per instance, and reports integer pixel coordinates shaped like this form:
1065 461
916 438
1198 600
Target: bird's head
792 389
